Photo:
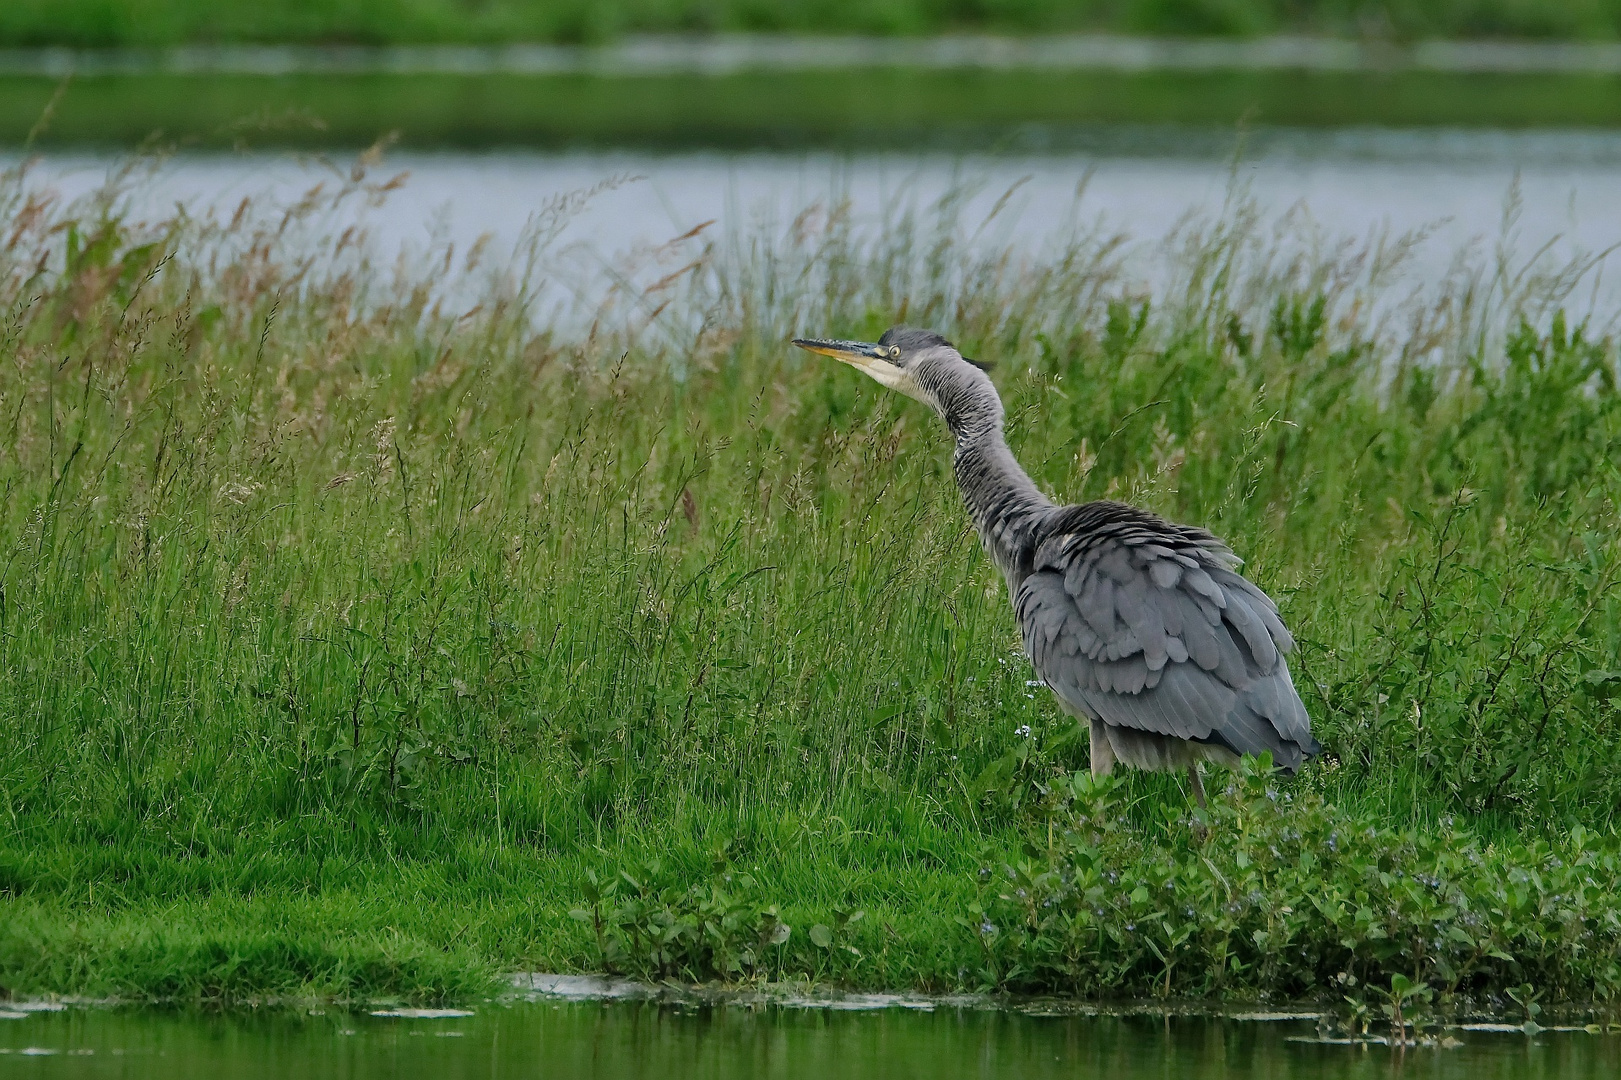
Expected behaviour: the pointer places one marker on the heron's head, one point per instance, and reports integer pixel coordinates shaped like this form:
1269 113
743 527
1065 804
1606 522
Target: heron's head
919 363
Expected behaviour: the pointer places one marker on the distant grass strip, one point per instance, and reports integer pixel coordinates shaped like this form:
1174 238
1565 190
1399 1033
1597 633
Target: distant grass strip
362 634
169 22
1028 111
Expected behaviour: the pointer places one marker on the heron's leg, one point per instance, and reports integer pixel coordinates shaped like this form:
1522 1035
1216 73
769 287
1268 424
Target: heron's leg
1198 785
1102 752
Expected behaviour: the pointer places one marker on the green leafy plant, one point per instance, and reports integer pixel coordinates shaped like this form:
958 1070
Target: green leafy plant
649 925
1281 886
1402 1004
1525 996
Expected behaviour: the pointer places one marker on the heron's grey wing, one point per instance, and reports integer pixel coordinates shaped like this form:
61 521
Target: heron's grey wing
1145 624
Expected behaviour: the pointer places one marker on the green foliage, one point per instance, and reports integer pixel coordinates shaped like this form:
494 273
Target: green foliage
237 954
335 610
655 925
660 930
156 22
1478 677
1276 891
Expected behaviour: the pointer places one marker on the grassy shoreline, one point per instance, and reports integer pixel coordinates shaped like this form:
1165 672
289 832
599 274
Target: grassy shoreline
355 643
164 22
887 110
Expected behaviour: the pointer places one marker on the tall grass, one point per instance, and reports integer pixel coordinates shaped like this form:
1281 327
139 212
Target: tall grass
340 626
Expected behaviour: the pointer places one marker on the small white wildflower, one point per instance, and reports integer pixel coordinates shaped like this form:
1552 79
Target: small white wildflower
239 493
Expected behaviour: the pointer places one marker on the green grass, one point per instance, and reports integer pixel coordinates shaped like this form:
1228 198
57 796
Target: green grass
164 22
347 637
1013 111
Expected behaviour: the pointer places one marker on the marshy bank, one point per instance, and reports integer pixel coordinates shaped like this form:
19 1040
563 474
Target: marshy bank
361 634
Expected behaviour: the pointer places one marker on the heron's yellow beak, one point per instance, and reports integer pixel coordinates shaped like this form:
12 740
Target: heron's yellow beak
876 361
861 354
864 356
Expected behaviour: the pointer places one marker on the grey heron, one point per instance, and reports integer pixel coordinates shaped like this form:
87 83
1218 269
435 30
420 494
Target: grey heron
1141 627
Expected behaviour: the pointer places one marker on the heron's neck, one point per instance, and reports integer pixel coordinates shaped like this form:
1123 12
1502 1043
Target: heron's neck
1004 502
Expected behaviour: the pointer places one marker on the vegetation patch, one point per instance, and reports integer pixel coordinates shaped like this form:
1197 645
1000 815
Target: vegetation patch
234 957
168 22
1278 892
1025 110
365 630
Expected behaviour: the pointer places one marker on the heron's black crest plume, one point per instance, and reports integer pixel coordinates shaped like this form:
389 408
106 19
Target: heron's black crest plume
911 339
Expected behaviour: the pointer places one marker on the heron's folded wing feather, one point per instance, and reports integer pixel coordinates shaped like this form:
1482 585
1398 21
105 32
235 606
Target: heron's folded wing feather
1156 632
1263 652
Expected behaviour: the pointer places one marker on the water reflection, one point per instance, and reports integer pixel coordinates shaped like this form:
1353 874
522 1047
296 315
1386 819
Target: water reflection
632 1040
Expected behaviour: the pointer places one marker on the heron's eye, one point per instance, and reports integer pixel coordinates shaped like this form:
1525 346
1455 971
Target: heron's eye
894 352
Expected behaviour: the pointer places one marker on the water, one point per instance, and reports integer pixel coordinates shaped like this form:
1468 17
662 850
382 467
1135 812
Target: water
1350 183
627 1040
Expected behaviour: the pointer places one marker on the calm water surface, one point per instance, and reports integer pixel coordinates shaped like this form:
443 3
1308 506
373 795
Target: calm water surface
1349 183
544 1040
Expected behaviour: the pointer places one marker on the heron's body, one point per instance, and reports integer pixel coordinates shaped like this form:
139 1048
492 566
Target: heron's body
1138 625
